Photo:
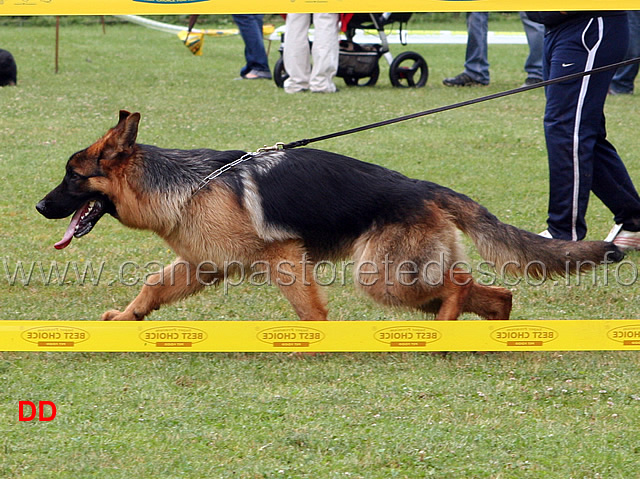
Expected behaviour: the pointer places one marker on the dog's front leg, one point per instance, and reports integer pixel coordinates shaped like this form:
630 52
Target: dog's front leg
176 281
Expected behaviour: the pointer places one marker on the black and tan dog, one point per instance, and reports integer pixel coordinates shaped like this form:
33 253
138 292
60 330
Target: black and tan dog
290 209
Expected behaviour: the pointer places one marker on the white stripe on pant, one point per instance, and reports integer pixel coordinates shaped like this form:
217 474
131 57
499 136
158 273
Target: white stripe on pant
576 129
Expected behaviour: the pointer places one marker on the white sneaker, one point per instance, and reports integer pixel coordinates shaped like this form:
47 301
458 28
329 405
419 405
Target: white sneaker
623 239
545 234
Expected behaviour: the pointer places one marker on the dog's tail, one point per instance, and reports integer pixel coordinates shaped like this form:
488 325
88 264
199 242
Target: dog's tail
517 252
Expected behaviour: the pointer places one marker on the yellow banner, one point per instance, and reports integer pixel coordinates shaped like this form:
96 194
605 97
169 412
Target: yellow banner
164 7
329 336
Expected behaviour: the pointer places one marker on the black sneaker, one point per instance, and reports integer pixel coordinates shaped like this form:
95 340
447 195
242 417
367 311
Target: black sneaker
532 81
462 80
613 91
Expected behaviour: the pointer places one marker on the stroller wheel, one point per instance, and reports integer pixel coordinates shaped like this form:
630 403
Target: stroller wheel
409 70
279 73
363 81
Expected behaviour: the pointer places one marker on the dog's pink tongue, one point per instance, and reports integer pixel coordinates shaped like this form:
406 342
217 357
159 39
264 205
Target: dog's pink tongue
68 235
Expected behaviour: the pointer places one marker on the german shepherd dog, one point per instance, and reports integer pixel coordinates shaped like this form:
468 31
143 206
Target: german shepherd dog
281 206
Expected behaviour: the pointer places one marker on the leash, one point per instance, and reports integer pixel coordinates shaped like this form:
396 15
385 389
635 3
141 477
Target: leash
296 144
573 76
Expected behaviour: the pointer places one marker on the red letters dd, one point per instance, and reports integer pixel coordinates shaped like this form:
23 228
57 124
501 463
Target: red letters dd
39 410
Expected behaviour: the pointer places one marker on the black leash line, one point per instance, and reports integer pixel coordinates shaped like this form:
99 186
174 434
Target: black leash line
295 144
573 76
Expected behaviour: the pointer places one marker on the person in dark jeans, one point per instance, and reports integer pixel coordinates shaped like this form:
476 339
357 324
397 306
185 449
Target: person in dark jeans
622 83
476 64
257 66
581 159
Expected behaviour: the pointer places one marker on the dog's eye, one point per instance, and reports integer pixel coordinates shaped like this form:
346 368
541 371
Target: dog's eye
74 176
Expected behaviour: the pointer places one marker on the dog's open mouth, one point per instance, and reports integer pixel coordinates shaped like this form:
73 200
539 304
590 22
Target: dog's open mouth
83 221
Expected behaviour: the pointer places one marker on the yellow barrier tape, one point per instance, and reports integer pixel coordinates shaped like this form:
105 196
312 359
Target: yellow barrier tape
165 7
329 336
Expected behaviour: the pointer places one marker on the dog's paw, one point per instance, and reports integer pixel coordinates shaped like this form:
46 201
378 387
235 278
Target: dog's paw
115 315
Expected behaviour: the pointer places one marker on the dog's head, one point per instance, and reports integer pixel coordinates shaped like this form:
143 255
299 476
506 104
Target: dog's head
86 189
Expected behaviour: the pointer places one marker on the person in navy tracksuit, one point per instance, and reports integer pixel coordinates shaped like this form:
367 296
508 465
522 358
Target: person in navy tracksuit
581 159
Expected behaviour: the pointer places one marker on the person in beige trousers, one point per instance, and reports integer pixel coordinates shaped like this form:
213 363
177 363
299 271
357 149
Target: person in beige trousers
303 75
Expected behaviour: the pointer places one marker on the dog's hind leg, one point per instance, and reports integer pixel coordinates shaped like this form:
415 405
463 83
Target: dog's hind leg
293 272
177 281
489 302
461 294
455 291
414 266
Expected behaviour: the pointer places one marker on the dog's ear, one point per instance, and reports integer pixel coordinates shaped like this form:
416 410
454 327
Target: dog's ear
123 115
126 131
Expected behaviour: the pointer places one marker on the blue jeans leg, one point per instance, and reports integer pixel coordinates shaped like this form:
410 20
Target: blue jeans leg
476 63
250 27
535 38
623 79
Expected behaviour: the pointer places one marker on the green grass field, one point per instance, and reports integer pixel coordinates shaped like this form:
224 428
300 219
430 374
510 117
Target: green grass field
504 415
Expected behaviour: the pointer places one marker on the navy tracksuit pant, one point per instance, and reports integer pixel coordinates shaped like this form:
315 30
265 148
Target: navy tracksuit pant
581 159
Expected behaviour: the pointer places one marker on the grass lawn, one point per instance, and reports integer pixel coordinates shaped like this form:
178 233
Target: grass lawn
506 415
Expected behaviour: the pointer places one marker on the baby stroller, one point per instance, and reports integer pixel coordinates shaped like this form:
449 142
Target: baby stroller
358 62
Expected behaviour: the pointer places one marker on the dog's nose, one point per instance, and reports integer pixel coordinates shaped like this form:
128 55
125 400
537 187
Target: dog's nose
41 207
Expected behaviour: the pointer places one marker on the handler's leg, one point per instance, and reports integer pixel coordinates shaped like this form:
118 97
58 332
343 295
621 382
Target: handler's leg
614 187
611 181
574 115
